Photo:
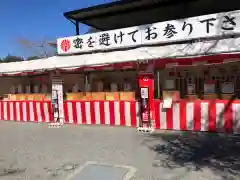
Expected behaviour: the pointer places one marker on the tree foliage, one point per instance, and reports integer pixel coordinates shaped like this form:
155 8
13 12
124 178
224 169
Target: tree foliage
40 49
33 58
11 58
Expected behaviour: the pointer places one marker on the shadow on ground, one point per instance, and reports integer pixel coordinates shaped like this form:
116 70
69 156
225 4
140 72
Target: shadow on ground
11 171
218 152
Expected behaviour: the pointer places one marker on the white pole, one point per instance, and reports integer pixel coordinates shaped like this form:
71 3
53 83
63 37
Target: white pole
86 89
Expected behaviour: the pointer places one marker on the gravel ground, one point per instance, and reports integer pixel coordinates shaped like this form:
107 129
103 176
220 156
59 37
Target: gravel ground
36 152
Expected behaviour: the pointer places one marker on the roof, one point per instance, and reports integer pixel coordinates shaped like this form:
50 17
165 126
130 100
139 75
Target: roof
133 55
102 16
126 13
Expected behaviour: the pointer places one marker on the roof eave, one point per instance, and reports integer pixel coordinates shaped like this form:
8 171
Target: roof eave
92 8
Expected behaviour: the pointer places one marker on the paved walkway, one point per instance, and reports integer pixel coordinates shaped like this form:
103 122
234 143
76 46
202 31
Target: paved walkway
35 152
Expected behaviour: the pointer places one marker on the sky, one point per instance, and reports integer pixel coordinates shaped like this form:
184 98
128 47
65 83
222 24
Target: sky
36 20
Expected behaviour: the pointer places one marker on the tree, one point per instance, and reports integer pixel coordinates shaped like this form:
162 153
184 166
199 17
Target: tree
40 49
33 58
11 58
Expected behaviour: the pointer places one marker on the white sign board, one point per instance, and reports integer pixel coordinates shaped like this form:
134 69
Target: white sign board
170 84
144 93
227 88
114 87
167 103
57 90
20 88
191 89
28 88
75 88
44 88
163 32
36 88
209 88
13 89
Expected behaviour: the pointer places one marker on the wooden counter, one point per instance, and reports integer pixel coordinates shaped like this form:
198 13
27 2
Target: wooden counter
192 97
29 97
210 96
226 96
88 96
110 96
